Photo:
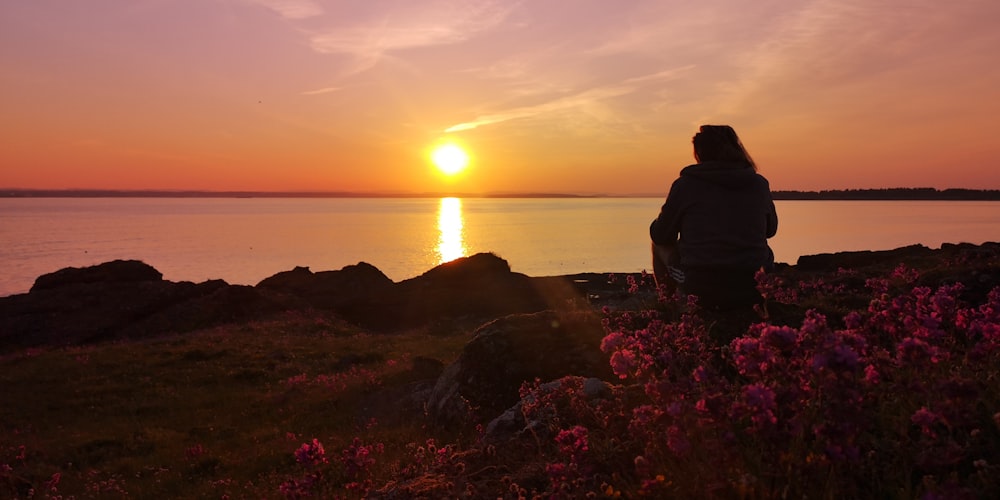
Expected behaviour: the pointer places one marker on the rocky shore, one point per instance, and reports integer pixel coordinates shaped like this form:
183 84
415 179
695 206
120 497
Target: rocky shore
128 299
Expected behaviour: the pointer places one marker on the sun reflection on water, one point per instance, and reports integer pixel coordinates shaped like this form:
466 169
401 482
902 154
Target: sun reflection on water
450 244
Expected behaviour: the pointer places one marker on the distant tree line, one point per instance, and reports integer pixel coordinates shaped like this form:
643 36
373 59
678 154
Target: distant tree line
892 194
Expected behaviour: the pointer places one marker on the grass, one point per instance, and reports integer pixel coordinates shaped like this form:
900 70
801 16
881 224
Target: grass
205 414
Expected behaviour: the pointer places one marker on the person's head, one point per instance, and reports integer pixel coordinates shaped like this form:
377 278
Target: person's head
720 143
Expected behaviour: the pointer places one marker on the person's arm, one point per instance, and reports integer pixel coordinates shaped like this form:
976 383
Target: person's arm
772 221
665 229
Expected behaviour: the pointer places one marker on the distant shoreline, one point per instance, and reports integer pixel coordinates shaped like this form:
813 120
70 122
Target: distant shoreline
110 193
889 194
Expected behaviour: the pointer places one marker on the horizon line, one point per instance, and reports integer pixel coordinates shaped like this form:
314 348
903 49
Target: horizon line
990 194
196 193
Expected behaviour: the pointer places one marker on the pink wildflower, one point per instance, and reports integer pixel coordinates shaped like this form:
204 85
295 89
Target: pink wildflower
612 341
925 419
853 320
760 399
779 337
915 350
311 453
573 442
871 375
622 362
677 441
905 274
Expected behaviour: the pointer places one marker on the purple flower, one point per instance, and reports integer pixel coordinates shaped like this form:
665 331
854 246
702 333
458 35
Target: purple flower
779 337
573 442
677 441
853 320
759 396
925 419
751 357
612 341
760 400
871 375
700 374
311 453
844 357
914 350
622 362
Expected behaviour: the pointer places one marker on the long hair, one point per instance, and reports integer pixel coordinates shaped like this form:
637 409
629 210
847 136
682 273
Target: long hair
720 143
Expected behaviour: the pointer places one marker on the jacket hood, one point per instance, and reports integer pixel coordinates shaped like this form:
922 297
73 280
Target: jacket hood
728 175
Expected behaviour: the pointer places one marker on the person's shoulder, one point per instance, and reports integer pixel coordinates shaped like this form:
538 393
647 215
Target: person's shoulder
687 174
761 180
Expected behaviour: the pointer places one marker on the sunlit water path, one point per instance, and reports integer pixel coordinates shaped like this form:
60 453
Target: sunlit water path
245 240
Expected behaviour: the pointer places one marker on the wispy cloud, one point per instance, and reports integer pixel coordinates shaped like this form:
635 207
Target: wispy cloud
292 9
412 26
324 90
580 99
408 25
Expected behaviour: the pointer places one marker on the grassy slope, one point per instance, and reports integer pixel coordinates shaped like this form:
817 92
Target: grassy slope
202 414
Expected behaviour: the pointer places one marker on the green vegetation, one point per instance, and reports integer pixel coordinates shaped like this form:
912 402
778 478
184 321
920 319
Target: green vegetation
206 414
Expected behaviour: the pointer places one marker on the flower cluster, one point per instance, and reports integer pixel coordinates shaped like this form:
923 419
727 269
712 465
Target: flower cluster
903 390
338 382
354 475
311 454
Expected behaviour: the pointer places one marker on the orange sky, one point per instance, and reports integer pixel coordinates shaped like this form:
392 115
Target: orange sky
585 97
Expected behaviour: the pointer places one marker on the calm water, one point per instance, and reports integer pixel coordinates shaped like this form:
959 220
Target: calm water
245 240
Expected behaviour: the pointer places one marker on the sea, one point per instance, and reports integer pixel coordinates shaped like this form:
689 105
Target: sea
244 240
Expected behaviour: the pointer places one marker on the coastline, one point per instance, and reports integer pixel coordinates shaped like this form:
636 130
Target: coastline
129 299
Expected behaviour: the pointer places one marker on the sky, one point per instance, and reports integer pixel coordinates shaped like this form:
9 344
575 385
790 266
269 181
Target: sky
586 97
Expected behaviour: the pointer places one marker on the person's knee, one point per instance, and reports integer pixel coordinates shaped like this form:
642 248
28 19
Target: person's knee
722 289
666 266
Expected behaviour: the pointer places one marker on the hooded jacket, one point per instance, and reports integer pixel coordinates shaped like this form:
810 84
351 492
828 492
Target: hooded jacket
719 215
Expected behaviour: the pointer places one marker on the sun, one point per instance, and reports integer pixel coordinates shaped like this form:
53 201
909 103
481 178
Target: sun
450 159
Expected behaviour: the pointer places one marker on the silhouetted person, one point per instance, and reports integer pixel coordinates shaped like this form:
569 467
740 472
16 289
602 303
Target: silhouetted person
711 235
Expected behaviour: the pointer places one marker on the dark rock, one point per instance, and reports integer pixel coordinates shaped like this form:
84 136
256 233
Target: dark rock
129 299
481 285
299 280
117 271
509 351
78 308
977 267
216 303
358 293
854 260
330 287
426 368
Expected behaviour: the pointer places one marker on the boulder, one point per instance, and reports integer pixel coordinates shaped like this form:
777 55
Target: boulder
216 303
505 353
829 262
359 293
331 288
481 285
117 271
121 299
